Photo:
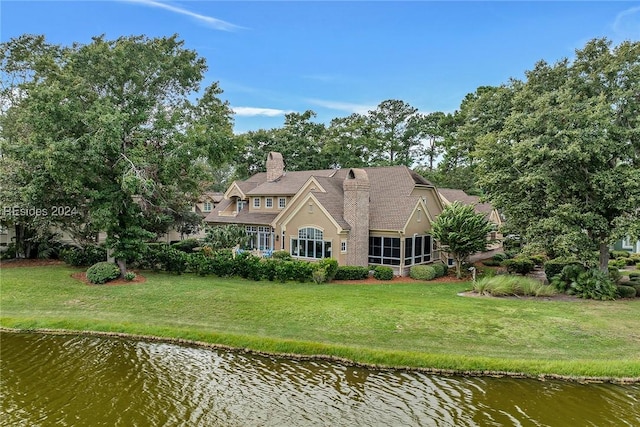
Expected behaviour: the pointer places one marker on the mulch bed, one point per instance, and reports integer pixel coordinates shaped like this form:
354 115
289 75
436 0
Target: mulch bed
82 276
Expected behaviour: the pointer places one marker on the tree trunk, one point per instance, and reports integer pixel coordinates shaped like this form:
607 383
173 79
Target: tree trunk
122 265
604 257
458 268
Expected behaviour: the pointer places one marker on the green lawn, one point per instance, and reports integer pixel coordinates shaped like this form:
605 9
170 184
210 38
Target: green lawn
418 324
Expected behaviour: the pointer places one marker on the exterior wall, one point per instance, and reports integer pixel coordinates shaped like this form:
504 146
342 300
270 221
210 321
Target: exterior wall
311 215
627 245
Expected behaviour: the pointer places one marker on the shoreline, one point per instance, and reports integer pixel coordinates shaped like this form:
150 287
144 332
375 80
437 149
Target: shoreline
330 358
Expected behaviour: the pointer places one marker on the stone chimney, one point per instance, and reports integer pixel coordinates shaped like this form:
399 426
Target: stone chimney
356 189
275 166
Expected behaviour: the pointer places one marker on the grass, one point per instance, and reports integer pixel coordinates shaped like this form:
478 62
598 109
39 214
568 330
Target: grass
424 325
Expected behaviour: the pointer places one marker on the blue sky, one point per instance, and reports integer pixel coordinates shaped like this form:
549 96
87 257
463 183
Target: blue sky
337 58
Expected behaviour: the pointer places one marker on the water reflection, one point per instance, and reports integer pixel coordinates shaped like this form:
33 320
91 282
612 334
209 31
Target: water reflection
75 381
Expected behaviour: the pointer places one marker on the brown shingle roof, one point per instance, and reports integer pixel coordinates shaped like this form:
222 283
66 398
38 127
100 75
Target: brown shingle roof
454 195
288 184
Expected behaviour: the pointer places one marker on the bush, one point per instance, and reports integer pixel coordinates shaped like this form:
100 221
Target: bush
129 275
248 266
569 274
538 260
614 274
617 263
83 256
626 291
172 260
102 272
441 269
499 257
636 286
619 254
492 263
381 272
593 284
554 267
186 245
222 263
634 275
282 255
351 272
331 267
519 265
319 275
423 272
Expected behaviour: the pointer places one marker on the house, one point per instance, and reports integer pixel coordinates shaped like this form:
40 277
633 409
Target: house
360 217
450 195
628 245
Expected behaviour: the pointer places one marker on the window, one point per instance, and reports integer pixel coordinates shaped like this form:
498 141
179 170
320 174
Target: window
310 244
343 246
241 204
207 206
384 250
282 202
261 237
626 243
256 202
417 249
268 202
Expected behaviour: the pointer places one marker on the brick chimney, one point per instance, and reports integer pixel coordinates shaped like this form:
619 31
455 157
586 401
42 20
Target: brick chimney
356 189
275 166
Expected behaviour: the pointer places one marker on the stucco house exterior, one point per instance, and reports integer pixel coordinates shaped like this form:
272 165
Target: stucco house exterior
358 216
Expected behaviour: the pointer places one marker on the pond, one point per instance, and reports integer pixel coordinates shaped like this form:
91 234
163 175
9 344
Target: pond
67 380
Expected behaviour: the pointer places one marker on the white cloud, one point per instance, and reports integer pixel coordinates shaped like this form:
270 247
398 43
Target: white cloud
627 23
215 23
256 111
343 106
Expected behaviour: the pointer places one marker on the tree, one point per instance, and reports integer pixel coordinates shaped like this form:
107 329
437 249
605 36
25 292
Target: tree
394 137
111 130
564 166
348 142
430 133
461 231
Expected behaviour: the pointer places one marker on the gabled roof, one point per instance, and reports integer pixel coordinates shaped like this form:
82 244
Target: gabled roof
287 184
454 195
392 197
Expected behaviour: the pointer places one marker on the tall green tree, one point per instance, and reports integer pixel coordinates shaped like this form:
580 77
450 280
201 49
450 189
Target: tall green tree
348 142
111 129
461 232
394 136
565 165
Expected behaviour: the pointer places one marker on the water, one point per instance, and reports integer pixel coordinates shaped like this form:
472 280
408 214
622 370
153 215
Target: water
53 380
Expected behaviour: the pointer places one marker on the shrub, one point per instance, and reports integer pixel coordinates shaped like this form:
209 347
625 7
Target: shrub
222 263
423 272
200 264
129 275
626 291
441 269
619 254
554 267
187 245
248 266
351 272
569 274
302 271
282 255
614 274
102 272
617 263
636 286
593 284
634 275
381 272
319 275
284 271
538 260
519 265
331 267
10 252
172 260
492 263
83 256
499 257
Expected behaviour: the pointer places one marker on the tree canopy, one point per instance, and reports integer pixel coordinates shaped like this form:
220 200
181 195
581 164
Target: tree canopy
563 163
110 129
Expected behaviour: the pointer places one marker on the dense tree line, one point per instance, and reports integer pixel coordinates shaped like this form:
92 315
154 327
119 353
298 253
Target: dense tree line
111 126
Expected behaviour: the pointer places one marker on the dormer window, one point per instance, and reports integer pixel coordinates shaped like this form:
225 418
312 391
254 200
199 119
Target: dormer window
241 204
207 206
